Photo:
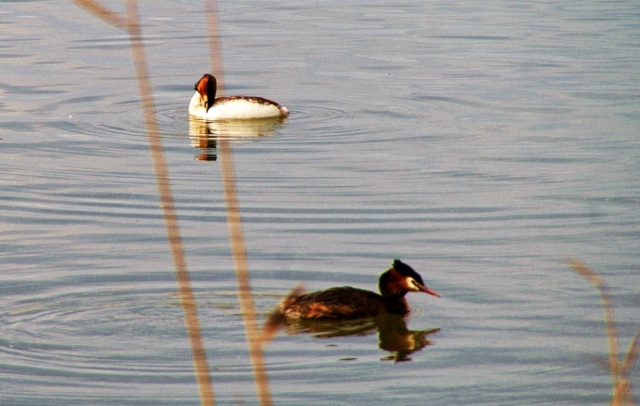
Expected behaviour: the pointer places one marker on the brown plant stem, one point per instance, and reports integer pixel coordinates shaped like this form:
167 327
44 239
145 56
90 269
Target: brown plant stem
234 223
131 24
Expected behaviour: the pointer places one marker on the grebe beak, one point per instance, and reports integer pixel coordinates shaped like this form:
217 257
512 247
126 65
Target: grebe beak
205 102
413 285
427 290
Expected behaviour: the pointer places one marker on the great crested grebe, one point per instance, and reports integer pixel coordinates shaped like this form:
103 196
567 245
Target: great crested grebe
346 303
204 104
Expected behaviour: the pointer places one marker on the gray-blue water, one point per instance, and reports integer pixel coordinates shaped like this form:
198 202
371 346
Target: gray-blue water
482 143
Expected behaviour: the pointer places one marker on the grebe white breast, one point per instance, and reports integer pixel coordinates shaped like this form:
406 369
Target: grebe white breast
204 104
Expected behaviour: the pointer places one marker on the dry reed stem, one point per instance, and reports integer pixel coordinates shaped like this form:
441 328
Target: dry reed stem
215 46
632 355
100 11
245 298
187 299
621 386
234 223
612 336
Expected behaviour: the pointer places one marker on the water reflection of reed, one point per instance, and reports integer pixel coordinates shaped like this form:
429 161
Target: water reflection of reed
621 385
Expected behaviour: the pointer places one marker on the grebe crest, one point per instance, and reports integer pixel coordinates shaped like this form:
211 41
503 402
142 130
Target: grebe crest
400 279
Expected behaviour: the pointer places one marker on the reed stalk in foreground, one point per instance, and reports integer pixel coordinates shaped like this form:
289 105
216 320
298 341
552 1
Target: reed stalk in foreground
621 385
130 23
234 223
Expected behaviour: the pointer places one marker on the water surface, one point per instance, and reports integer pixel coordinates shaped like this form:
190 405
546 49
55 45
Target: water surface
482 144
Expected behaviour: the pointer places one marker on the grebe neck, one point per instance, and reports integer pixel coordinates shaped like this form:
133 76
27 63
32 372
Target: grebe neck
396 304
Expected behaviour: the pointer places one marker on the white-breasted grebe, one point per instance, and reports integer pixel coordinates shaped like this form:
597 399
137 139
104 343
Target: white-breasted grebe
204 104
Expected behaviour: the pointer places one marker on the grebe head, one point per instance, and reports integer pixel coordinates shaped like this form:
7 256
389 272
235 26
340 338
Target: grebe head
206 86
400 279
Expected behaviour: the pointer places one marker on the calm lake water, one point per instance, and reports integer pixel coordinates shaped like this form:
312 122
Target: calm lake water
484 144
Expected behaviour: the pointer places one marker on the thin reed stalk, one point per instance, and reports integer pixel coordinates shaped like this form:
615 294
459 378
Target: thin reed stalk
131 25
234 223
115 19
245 297
215 46
621 386
607 306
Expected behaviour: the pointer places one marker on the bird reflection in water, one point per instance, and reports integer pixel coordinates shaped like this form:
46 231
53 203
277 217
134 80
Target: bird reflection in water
204 135
393 334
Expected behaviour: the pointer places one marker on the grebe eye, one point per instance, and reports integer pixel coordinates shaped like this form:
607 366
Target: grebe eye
412 284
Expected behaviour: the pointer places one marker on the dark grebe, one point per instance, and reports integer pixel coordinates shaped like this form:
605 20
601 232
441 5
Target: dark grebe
350 303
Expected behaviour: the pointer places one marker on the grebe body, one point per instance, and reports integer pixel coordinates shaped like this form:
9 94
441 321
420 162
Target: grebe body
204 104
345 303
